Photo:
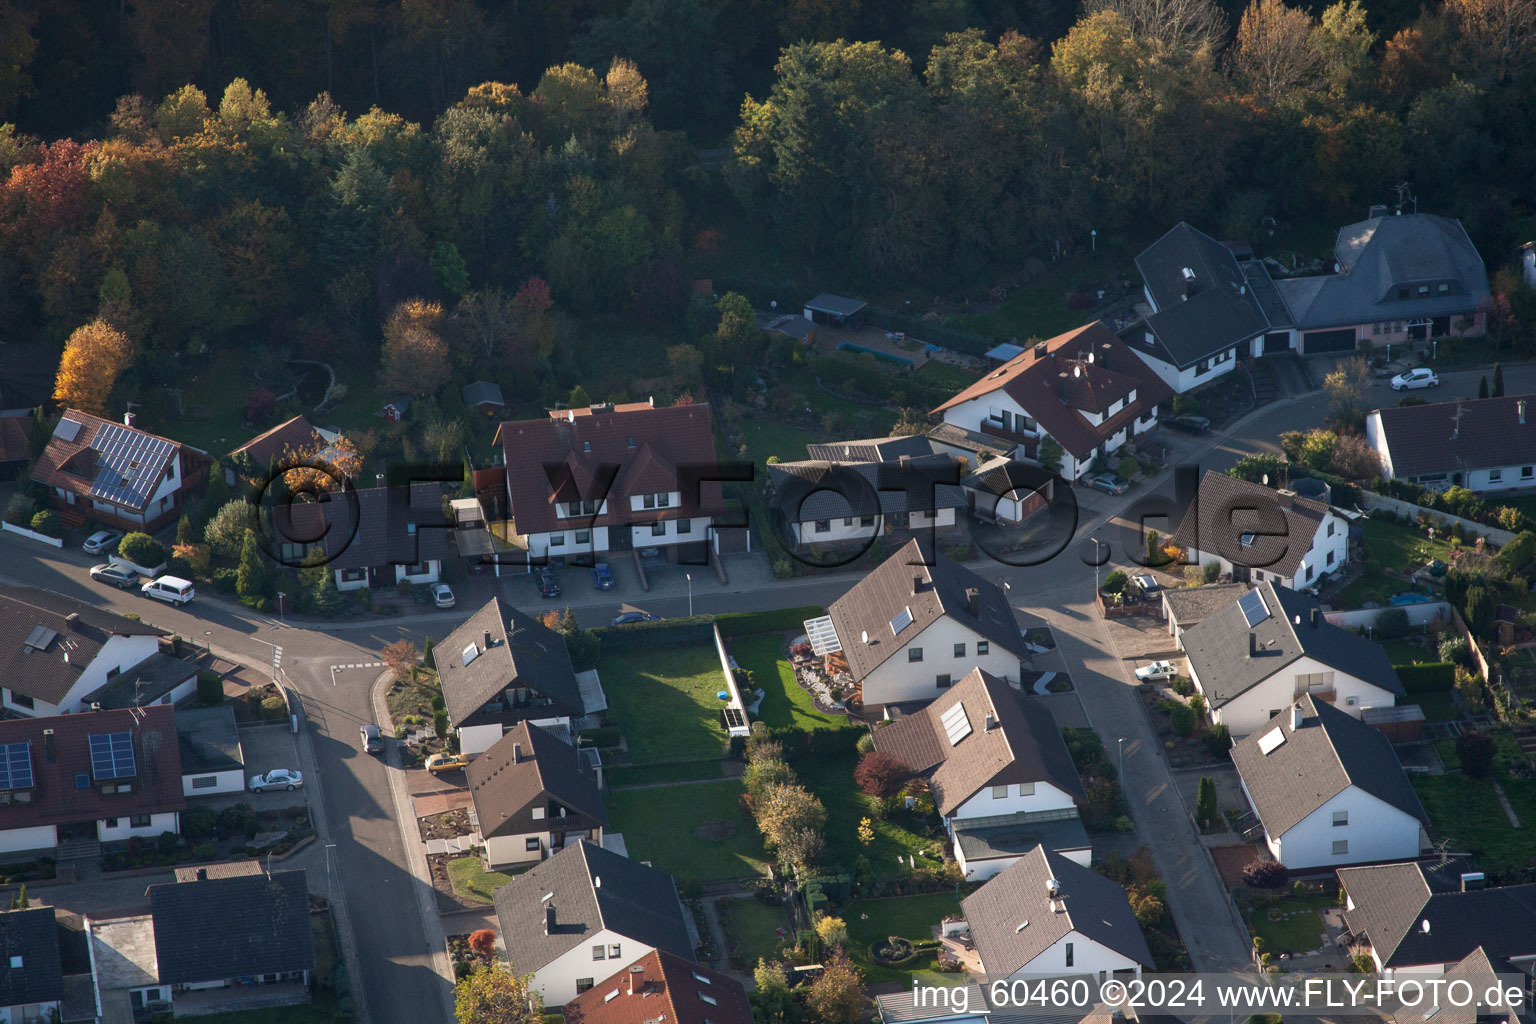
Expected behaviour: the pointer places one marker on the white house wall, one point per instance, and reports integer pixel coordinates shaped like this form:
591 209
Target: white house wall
433 572
1046 797
556 981
642 537
232 781
1088 957
168 821
1378 440
897 679
23 1012
982 870
477 739
1253 709
1377 831
21 840
501 851
119 652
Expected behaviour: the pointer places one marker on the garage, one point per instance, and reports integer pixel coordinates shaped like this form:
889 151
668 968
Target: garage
1315 342
1277 341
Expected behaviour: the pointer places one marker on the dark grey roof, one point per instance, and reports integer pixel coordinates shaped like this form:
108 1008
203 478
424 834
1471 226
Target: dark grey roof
1022 745
1268 296
79 999
1477 968
523 652
1188 605
1200 315
969 440
1454 437
209 740
371 526
144 683
879 597
46 675
1218 646
1392 902
1328 754
982 839
33 936
837 305
591 889
872 449
232 927
1094 906
1001 477
482 392
793 324
1226 508
820 490
1378 255
529 767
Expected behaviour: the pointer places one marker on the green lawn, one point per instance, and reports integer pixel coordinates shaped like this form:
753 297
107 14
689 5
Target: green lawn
1394 547
1401 652
1438 707
831 779
752 930
646 774
472 882
1036 311
936 371
698 832
1291 926
1467 811
911 917
665 703
785 702
787 437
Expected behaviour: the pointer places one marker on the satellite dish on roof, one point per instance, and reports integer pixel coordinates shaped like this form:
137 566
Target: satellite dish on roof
864 636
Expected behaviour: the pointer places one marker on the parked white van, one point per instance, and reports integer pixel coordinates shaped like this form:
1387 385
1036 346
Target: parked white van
170 589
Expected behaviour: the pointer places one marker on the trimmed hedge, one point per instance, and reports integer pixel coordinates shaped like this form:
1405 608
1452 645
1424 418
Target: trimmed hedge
606 736
798 742
780 620
1433 677
651 636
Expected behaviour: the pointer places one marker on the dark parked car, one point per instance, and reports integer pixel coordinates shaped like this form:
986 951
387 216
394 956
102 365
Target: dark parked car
549 584
629 617
1189 424
602 576
372 739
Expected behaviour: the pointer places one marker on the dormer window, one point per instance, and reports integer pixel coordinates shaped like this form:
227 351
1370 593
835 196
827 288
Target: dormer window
1402 291
586 446
629 442
1423 291
1443 288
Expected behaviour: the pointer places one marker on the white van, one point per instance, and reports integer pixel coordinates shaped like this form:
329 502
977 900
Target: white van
170 589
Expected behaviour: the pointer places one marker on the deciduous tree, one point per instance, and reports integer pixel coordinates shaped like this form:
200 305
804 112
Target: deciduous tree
837 996
251 577
1180 28
494 995
1275 53
93 358
1498 37
880 774
225 532
415 356
400 657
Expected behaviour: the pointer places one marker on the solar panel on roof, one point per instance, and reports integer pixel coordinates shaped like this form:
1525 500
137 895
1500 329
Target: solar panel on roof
1253 607
822 636
112 755
902 620
40 638
67 430
131 464
1272 740
957 725
16 765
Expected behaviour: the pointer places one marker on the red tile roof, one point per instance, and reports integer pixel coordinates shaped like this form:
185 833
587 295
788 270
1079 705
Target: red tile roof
297 433
573 453
56 796
69 461
15 435
662 987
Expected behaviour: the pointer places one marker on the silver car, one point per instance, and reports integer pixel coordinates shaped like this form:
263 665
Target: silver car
118 575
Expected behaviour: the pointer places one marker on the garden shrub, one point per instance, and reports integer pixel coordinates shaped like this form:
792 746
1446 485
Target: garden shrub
47 523
1515 555
20 510
604 736
1428 677
1392 623
779 620
1264 874
1477 751
1182 720
198 823
141 549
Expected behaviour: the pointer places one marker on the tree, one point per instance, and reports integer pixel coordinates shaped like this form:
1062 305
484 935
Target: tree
1155 556
1346 384
414 360
578 398
1318 448
225 532
494 995
1497 36
400 657
1116 582
1355 459
1182 719
832 931
47 523
426 654
1274 53
1344 42
449 269
327 597
94 356
442 436
1498 381
1479 609
1206 812
1477 751
251 576
787 808
483 941
1049 454
141 549
320 466
763 774
801 850
1179 28
879 774
772 1000
1264 874
837 996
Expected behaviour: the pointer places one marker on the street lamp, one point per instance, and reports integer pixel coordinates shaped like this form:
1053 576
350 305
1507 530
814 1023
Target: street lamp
1121 744
1093 239
280 596
689 577
1097 561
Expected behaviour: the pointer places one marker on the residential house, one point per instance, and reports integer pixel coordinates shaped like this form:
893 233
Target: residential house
1007 491
1000 773
858 498
502 667
255 459
1419 918
1083 389
100 776
32 985
116 474
1254 658
1477 969
169 676
1484 445
971 445
56 653
918 623
1259 534
373 537
1186 607
572 919
1329 790
212 761
15 440
1203 311
1048 916
1395 279
660 986
612 478
534 795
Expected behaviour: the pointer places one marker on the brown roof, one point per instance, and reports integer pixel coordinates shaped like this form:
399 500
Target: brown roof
662 987
47 674
1099 370
940 590
87 455
522 652
15 435
530 768
1012 739
1226 508
297 433
576 453
226 869
57 796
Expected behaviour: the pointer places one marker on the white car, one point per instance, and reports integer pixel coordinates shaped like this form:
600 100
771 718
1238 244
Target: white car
101 540
1145 581
442 595
1420 377
277 778
1157 672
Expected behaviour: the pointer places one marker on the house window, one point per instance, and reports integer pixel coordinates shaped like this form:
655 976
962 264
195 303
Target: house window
1026 789
538 812
870 520
659 500
1258 575
629 442
1313 682
1495 475
1375 328
557 540
942 681
205 782
583 536
711 1000
531 843
847 520
659 529
582 984
419 569
914 654
982 647
410 528
823 525
1340 818
1246 540
1402 291
353 575
1330 558
1340 846
999 792
959 650
1330 529
21 700
613 951
586 446
83 781
1525 472
1069 954
1310 572
1443 288
1423 291
599 951
684 525
111 823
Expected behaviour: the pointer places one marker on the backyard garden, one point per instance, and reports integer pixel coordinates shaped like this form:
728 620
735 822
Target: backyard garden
913 918
698 831
1465 809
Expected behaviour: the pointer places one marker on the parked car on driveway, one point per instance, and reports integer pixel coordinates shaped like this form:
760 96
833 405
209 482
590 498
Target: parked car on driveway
1156 672
631 617
1108 483
602 576
1418 377
442 595
549 584
101 540
1147 584
277 778
371 739
117 575
1188 424
437 764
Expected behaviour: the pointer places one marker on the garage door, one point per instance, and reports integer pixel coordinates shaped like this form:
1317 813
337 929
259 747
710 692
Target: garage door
1314 342
1277 341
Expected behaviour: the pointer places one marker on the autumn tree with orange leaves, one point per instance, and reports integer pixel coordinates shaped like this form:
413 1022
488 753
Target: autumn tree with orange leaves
94 356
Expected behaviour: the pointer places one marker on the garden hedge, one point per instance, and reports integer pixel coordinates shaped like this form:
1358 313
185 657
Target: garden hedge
1431 677
651 636
779 620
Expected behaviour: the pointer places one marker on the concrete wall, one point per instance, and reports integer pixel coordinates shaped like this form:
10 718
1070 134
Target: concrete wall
22 1013
1418 615
1373 501
477 739
32 535
556 981
898 679
20 840
502 851
232 781
169 821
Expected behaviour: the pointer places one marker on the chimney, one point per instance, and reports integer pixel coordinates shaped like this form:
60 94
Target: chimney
1317 618
1377 211
1041 349
917 584
905 462
517 753
486 638
1472 880
549 918
1062 382
973 601
1253 645
1520 411
72 620
1296 716
991 722
1104 354
48 745
128 418
1287 499
202 874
